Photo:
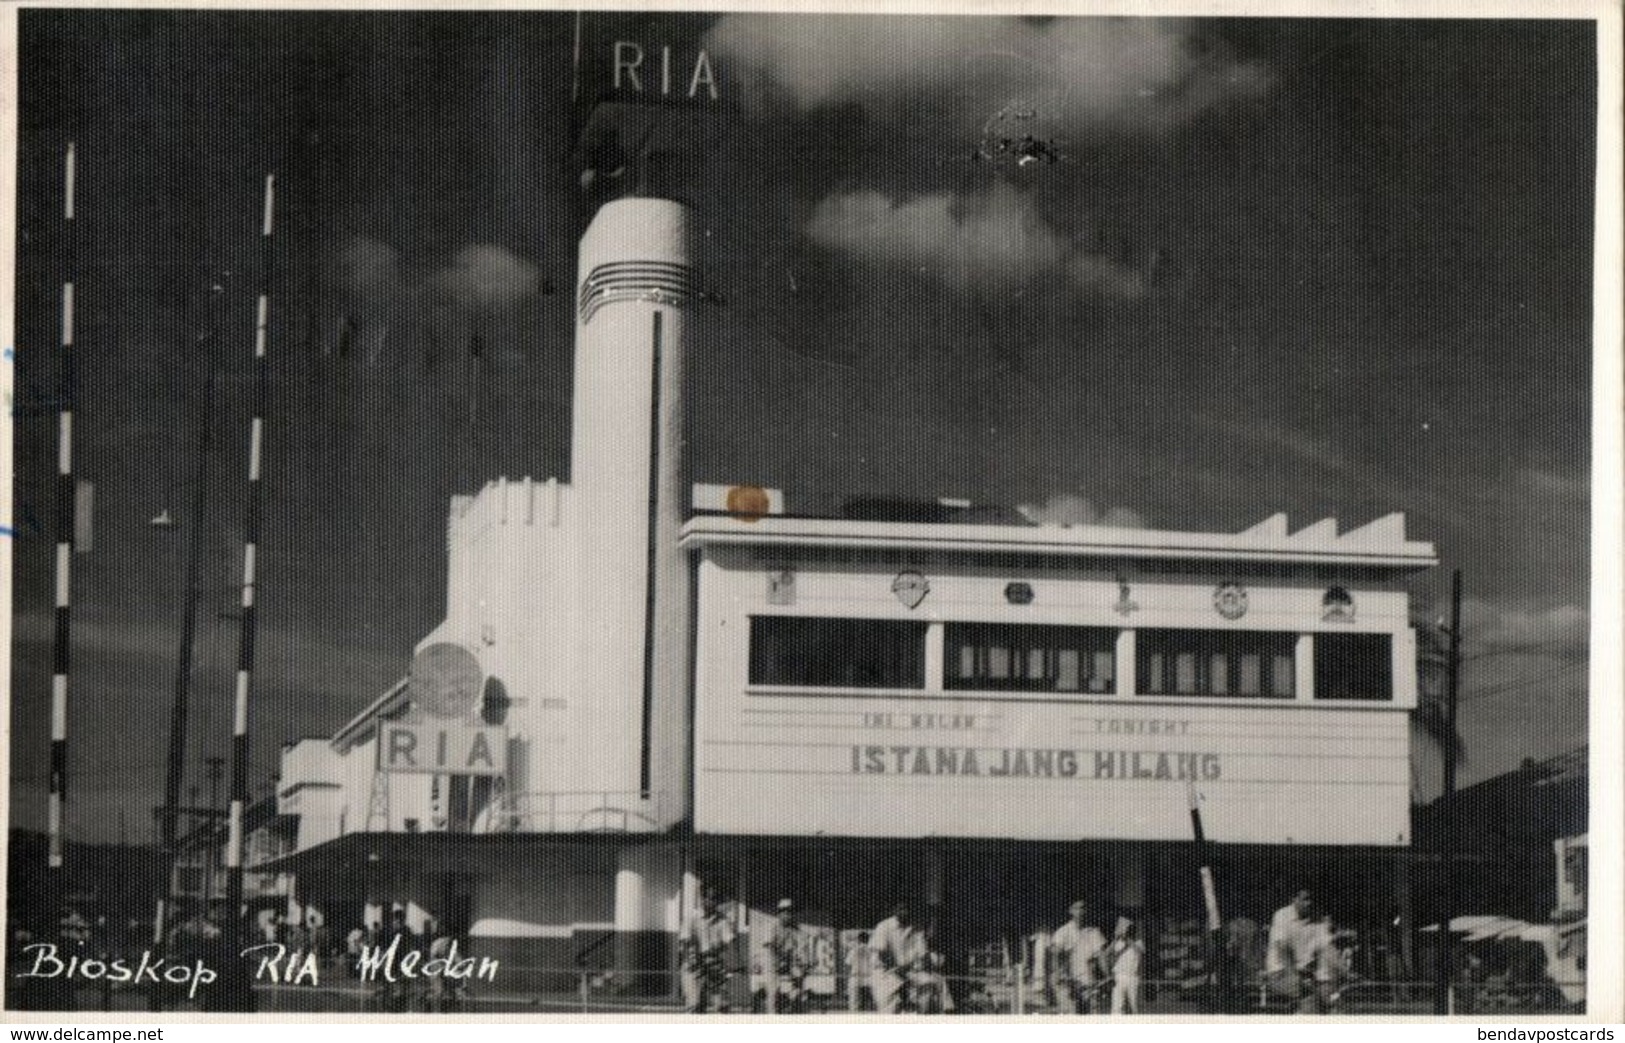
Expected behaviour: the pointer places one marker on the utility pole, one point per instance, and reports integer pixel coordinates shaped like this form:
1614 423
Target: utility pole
1445 970
174 775
216 766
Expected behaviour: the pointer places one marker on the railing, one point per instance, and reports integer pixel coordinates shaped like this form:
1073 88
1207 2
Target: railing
576 811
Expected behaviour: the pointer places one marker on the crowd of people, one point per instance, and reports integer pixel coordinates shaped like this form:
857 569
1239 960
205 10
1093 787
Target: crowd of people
1306 961
904 973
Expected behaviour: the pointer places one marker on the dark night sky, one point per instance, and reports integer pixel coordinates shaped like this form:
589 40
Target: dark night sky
1332 268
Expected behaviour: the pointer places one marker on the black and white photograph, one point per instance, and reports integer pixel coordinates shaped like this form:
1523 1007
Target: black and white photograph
812 516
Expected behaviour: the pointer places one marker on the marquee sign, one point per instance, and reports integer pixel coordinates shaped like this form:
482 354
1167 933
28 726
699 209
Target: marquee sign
1051 770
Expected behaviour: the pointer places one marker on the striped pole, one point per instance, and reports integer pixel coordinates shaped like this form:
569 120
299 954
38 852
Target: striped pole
65 520
251 535
1218 977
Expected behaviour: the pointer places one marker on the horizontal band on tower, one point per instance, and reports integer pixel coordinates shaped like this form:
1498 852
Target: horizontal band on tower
659 282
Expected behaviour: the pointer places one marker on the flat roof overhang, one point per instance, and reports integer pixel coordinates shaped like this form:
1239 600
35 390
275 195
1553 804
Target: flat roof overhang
454 851
1378 545
438 851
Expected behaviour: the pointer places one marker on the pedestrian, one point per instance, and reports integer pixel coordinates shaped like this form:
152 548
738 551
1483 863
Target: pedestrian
1290 956
353 944
901 967
321 943
790 948
448 991
1080 954
399 995
703 946
1127 962
1330 962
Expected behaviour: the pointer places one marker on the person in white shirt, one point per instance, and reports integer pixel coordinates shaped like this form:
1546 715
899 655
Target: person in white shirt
1290 958
901 957
1127 959
1080 952
703 946
792 956
1330 964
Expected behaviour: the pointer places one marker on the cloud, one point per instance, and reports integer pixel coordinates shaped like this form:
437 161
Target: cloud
990 241
371 270
484 276
1068 509
1558 486
1559 630
1074 75
481 276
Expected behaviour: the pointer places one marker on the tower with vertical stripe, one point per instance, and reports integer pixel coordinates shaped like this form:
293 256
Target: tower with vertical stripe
635 296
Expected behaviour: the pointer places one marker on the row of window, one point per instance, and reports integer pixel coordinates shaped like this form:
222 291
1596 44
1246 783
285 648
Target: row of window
816 652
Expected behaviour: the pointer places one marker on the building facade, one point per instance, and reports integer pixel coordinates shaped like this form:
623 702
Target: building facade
642 684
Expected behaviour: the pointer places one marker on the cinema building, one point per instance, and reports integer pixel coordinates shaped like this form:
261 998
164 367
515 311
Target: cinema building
643 684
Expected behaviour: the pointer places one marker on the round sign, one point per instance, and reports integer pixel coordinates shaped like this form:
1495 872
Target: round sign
1230 600
445 681
748 502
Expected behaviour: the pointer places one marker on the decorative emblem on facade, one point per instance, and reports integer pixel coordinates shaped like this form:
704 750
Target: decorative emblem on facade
1230 600
781 586
748 502
1125 601
1337 606
1018 593
910 588
445 681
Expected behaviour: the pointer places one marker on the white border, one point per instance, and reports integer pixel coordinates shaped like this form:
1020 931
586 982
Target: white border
1606 964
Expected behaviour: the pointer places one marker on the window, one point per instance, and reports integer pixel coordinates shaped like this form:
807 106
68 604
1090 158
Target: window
1354 666
1244 663
1020 658
837 653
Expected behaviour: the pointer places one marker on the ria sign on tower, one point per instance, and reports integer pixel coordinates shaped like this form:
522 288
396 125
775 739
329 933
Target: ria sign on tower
637 71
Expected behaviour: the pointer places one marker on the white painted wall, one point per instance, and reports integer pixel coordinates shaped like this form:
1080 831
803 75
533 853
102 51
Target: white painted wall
775 760
628 470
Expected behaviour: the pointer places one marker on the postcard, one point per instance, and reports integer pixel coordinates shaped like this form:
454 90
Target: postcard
763 513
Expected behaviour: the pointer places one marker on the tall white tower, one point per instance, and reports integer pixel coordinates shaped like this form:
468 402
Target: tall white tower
629 473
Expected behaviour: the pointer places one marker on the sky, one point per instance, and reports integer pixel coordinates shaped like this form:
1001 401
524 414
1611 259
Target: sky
1331 268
